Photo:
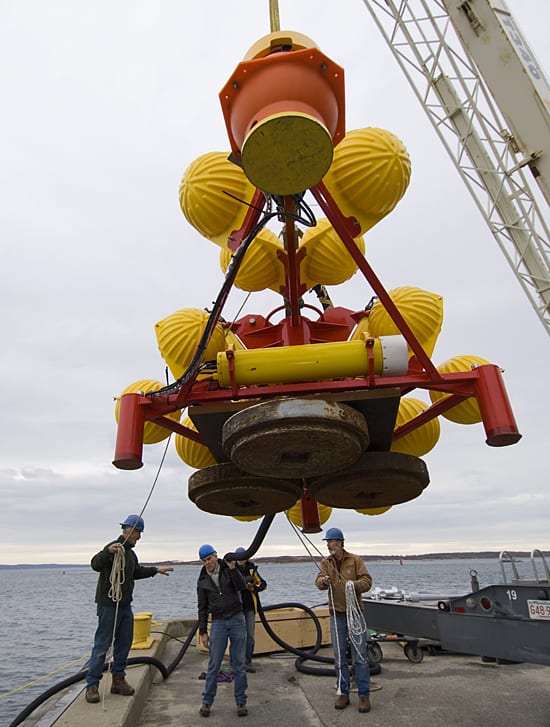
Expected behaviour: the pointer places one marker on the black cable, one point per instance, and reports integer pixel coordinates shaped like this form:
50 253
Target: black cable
179 656
69 681
258 540
283 644
230 275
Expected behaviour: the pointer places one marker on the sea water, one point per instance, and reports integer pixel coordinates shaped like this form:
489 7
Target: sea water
48 617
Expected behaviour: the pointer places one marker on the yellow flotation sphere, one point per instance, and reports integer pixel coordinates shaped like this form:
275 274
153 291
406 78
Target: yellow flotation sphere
178 335
374 510
327 260
261 267
152 433
467 412
294 513
422 439
213 196
369 174
421 309
246 518
192 453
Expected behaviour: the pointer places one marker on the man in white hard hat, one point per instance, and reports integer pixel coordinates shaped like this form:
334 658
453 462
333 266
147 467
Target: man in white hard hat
114 610
335 572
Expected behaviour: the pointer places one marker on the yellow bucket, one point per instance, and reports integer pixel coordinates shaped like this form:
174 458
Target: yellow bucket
142 631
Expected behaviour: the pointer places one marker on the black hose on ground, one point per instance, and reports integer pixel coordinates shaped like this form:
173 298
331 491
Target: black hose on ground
69 681
179 656
311 654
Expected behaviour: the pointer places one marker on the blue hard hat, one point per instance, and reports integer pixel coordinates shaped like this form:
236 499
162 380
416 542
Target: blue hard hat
134 521
240 549
334 534
206 550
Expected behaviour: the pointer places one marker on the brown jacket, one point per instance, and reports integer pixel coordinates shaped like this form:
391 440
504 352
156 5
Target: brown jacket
352 569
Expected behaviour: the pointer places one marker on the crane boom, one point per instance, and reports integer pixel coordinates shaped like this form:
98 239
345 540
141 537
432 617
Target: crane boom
491 150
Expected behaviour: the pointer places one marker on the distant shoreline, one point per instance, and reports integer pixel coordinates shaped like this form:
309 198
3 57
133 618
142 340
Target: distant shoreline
306 558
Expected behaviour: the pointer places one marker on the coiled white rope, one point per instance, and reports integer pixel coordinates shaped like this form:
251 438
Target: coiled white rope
336 645
116 579
357 626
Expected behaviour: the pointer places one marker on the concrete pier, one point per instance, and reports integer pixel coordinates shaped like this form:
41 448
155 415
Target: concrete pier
444 689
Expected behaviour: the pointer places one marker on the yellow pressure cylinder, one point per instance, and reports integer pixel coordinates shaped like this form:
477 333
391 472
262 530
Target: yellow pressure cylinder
313 362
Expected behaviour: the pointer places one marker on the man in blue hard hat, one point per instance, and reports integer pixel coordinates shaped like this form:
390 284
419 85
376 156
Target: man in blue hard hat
254 584
219 588
116 564
335 573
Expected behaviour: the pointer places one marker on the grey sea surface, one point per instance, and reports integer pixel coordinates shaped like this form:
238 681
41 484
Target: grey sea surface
48 618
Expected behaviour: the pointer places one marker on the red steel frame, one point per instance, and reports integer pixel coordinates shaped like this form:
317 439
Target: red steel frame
240 106
483 382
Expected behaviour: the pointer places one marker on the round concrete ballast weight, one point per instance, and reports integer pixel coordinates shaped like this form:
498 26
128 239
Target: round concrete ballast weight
377 479
295 438
224 489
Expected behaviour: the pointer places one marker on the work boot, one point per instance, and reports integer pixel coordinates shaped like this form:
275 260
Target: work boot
242 711
364 704
92 695
204 711
121 686
342 701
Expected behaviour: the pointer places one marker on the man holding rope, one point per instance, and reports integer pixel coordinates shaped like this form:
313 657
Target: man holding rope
346 577
118 568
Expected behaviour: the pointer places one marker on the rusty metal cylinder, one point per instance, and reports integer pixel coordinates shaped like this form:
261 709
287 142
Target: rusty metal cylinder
295 437
498 417
129 441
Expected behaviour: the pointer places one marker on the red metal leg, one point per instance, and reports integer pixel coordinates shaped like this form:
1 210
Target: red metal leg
129 441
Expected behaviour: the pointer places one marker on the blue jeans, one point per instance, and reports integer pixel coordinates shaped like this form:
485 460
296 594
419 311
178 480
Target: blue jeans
222 629
250 618
103 638
339 635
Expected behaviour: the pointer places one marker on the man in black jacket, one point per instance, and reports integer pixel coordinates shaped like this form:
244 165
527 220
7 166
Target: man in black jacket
114 601
254 584
219 588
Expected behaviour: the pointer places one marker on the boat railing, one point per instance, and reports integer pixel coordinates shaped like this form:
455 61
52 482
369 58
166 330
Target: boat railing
507 558
546 577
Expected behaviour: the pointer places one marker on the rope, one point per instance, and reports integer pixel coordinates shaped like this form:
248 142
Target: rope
357 626
116 578
43 677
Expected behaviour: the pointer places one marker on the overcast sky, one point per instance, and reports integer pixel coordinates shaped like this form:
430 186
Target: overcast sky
104 105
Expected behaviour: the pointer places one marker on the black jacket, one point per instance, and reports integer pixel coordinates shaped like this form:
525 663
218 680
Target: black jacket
250 574
133 571
221 602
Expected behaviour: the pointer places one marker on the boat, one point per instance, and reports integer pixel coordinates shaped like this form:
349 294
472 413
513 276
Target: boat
508 621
